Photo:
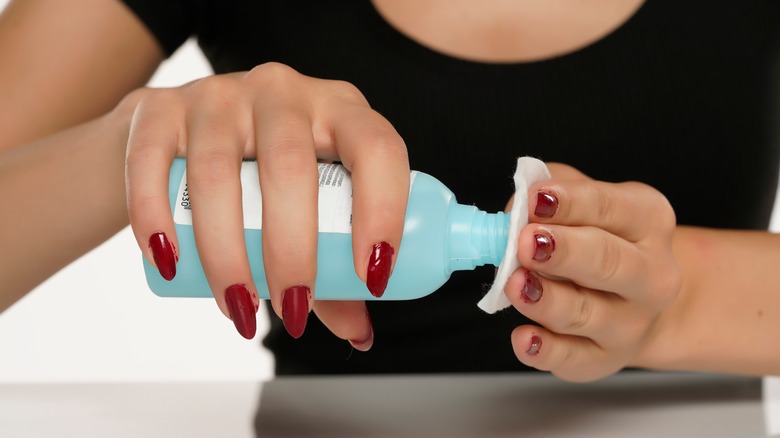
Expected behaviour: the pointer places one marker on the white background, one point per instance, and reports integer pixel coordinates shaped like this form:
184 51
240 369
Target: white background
97 321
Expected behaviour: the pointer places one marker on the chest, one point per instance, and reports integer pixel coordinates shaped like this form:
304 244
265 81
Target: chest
506 30
674 95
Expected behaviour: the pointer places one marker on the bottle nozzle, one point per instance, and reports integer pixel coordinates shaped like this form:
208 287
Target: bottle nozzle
476 238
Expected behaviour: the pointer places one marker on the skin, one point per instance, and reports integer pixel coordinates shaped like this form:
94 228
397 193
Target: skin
78 127
64 131
287 121
626 283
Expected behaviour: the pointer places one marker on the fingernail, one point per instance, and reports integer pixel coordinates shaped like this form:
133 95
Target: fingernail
379 268
546 205
532 290
242 310
536 345
164 255
295 310
544 245
364 344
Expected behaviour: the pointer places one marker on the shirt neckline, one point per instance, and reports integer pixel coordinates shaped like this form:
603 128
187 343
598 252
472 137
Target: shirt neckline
419 49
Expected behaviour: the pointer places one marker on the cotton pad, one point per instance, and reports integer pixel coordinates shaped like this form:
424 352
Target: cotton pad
529 171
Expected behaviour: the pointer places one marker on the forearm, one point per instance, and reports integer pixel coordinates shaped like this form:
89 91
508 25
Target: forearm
61 196
65 63
727 316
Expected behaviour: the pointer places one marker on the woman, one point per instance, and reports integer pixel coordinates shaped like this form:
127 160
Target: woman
679 97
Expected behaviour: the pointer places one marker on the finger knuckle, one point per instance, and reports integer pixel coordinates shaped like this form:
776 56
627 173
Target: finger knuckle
605 204
213 88
609 260
149 106
142 154
347 91
384 140
288 159
582 313
212 168
655 203
160 99
275 75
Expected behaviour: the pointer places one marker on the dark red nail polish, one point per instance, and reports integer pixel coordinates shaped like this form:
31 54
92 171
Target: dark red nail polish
536 345
164 254
295 310
546 205
379 268
242 310
532 290
544 245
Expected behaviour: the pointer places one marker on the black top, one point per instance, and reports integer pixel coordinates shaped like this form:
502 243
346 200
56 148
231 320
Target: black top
684 97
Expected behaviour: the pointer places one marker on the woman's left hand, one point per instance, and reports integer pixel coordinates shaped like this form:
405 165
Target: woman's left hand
597 272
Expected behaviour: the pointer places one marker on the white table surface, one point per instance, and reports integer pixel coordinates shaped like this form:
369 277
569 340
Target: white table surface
633 404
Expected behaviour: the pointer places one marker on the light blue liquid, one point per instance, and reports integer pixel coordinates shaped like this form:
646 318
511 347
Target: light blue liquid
440 236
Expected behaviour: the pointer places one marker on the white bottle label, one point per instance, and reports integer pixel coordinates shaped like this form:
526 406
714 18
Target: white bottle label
334 204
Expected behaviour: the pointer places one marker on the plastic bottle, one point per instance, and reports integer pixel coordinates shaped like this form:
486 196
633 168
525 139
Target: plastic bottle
440 236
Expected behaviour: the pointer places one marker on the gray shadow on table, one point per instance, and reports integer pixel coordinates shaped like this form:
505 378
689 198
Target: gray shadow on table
631 404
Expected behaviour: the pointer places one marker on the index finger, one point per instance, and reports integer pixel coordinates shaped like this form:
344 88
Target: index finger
630 210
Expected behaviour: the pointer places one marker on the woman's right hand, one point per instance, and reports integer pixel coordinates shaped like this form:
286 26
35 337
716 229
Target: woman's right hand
287 121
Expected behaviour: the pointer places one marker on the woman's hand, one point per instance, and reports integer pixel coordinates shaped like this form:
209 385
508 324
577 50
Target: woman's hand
598 270
287 121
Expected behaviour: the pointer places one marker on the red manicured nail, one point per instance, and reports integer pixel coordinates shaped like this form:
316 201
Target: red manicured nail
242 309
546 205
295 310
532 289
379 268
536 345
164 254
364 344
544 245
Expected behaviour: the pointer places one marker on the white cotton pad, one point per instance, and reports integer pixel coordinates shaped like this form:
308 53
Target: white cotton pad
529 171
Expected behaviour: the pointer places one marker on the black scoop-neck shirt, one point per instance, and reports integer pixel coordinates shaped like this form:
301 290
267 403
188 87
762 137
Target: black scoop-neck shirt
683 96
